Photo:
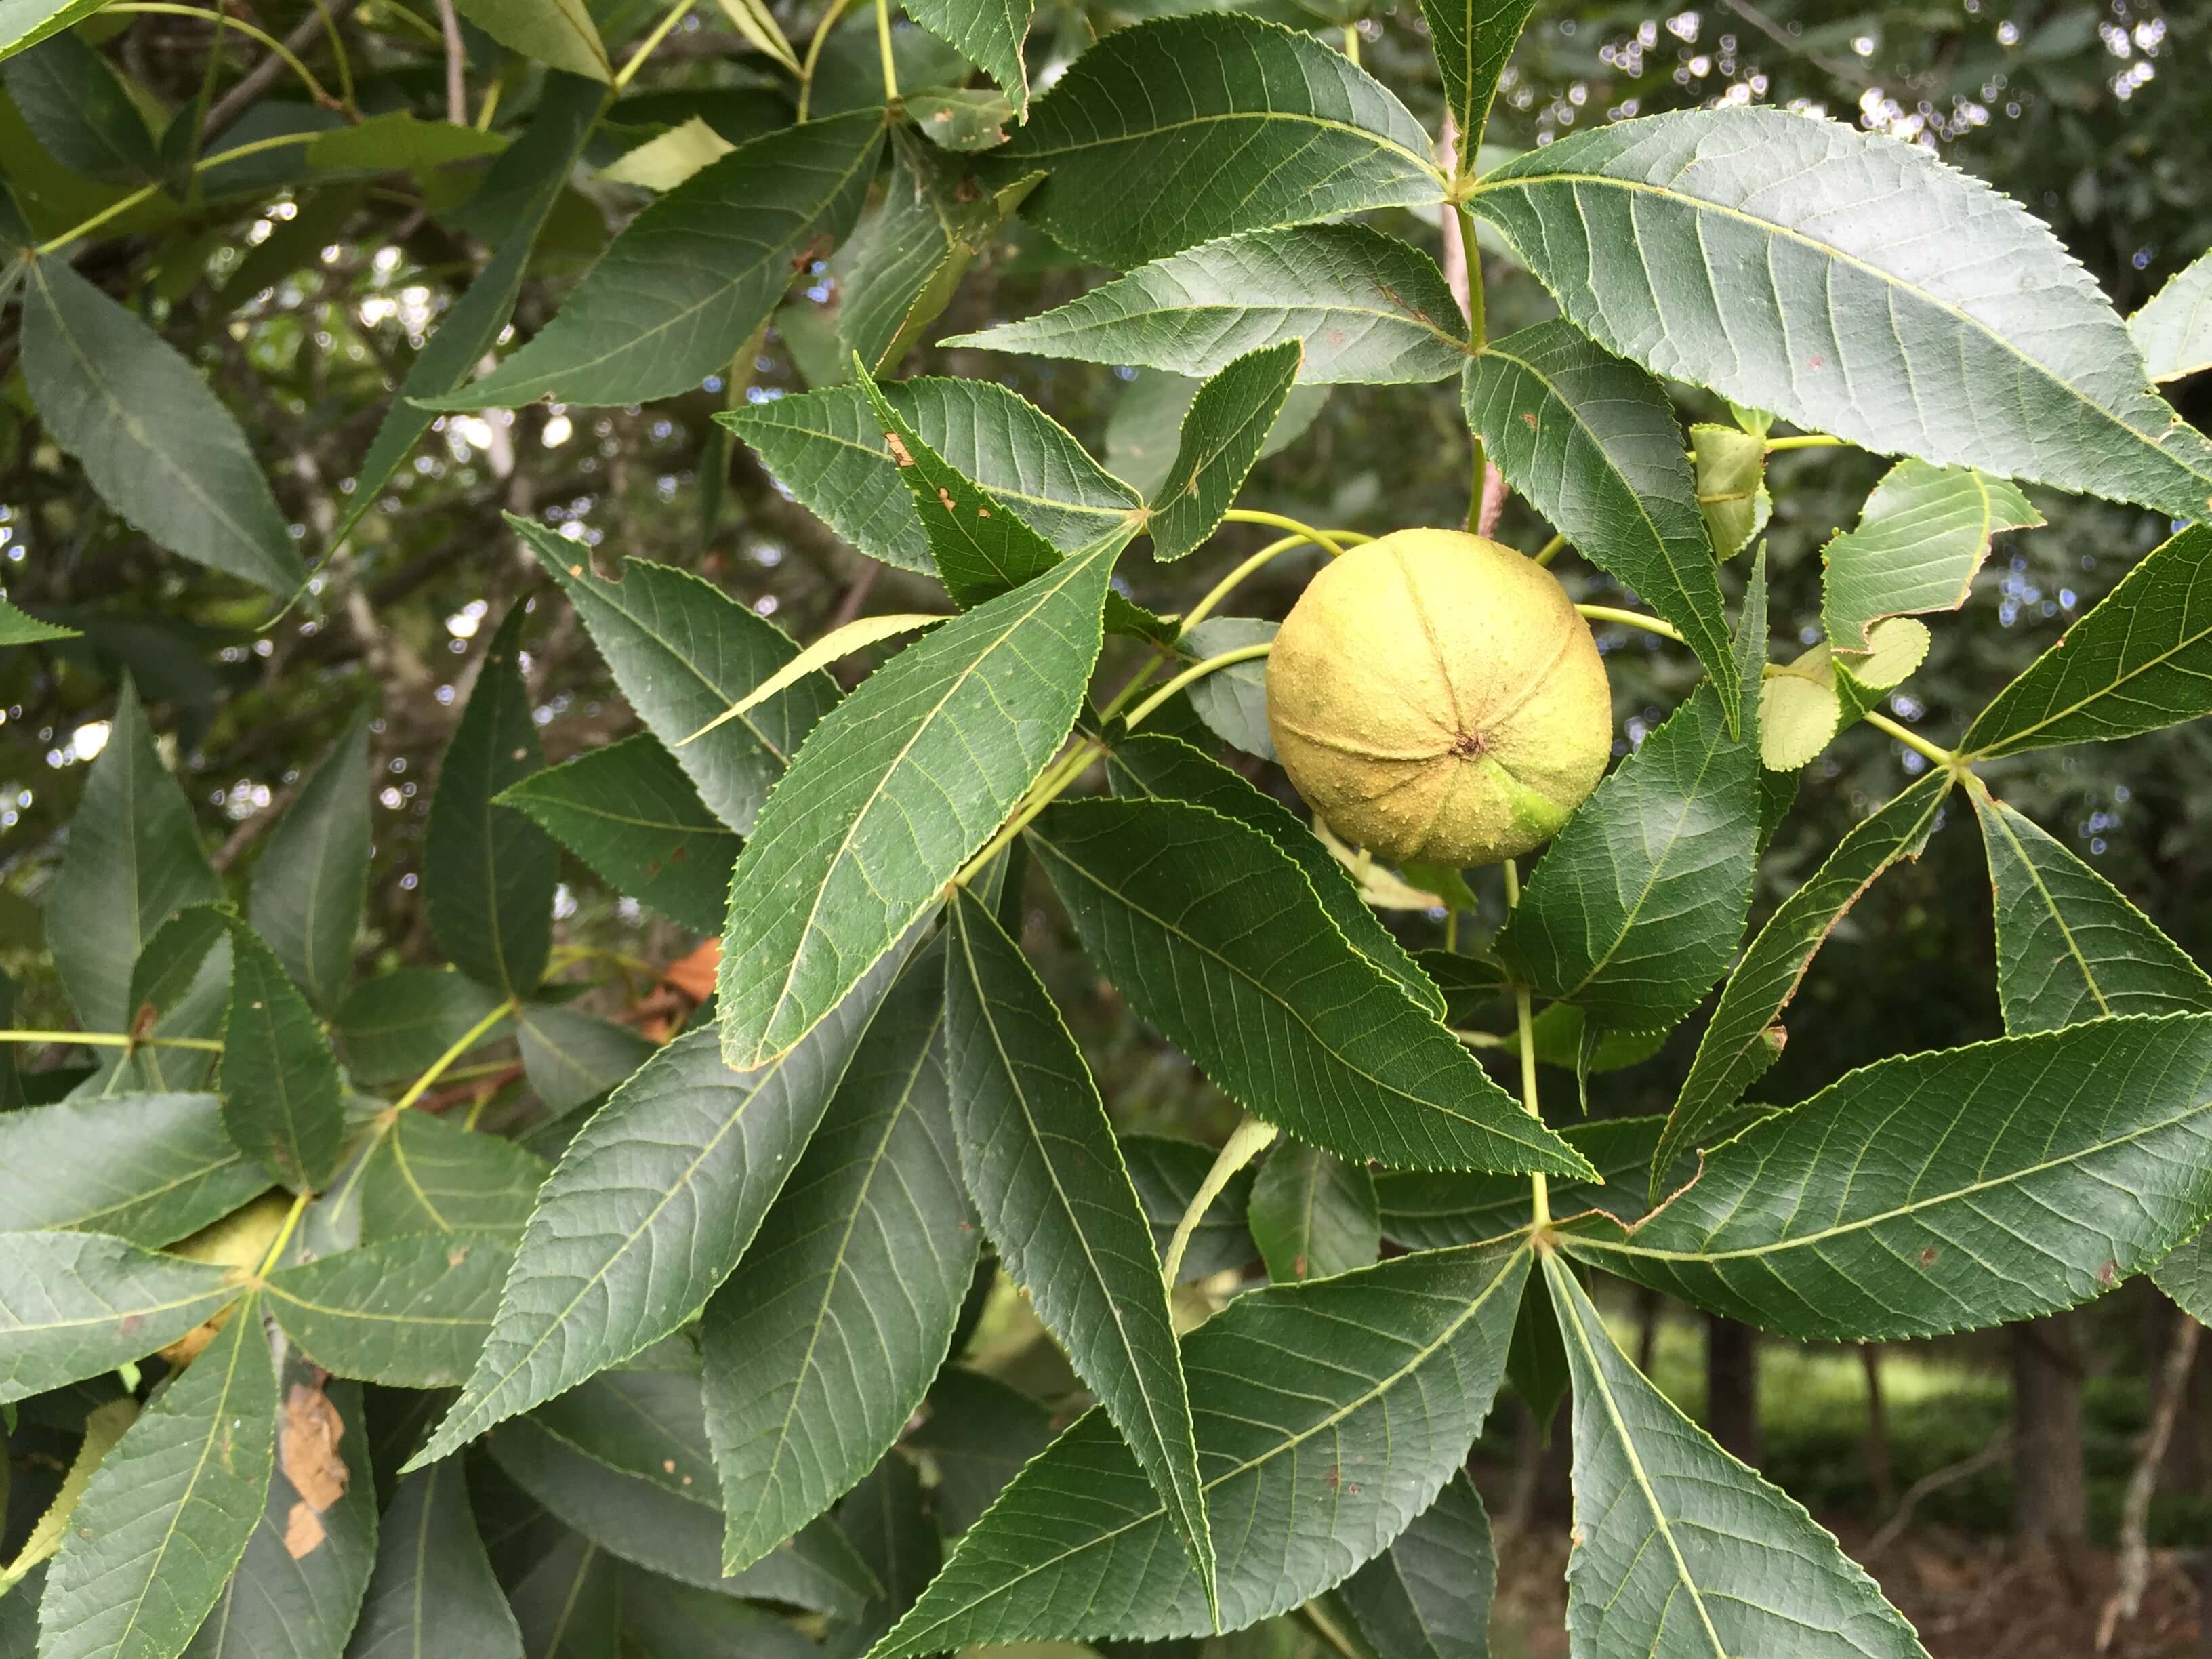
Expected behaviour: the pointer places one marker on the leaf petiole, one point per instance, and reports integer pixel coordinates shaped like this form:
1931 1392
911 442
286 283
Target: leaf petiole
884 47
1539 1187
1333 540
146 193
1665 630
1913 740
461 1045
837 10
1251 1138
1045 791
1195 671
284 1233
114 1040
1222 589
677 14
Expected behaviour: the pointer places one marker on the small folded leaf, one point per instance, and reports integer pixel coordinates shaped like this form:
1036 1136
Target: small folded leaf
432 1589
1158 768
648 1210
1742 1038
74 1305
1428 1595
519 189
960 119
1178 130
895 790
1041 1162
1924 534
558 34
827 449
149 1168
1369 307
693 276
833 646
1946 1191
2010 361
155 442
2141 659
1636 907
1472 40
988 34
1329 1414
2069 947
309 887
410 1313
629 813
487 870
1314 1216
1680 1549
1593 443
1223 432
169 1512
1732 492
683 651
298 1588
2174 330
278 1078
753 19
820 1351
1198 919
134 859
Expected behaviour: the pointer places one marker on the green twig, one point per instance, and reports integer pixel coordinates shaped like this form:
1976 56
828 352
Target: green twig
1195 671
1246 1141
462 1044
677 14
1912 739
1332 540
114 1040
1665 630
884 47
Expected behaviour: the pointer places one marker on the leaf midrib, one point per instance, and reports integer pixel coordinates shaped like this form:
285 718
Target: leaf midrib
1113 514
1296 117
1996 812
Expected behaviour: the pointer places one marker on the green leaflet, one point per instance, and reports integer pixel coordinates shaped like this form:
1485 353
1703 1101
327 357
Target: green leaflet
75 106
312 878
677 1168
559 33
524 183
426 1175
489 871
279 1604
1175 131
134 859
1428 1595
988 34
432 1589
169 1510
1426 1210
149 1168
889 1520
1223 432
674 1532
683 287
411 1313
894 790
24 23
572 1059
1679 1549
1743 1037
399 141
651 1425
76 1305
1802 224
156 444
2069 947
1153 766
1231 702
1946 1191
18 628
1187 911
1313 1216
1924 534
2173 330
278 1079
819 1352
569 1605
1635 909
979 1434
1040 1158
183 975
629 811
1353 1397
2138 661
981 548
1472 40
1593 443
1369 307
683 651
1732 492
826 447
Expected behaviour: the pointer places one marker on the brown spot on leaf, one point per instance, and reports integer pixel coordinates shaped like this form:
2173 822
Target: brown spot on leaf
1928 1256
982 512
576 570
1335 1476
668 1464
945 499
455 1257
303 1530
129 1324
308 1438
814 250
677 854
2109 1274
900 452
1819 361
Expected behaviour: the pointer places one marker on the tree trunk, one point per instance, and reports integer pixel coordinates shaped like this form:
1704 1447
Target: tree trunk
2049 1500
1880 1470
1647 1327
1732 1386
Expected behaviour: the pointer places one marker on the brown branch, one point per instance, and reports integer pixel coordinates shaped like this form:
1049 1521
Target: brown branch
457 91
259 79
1950 1476
2135 1510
